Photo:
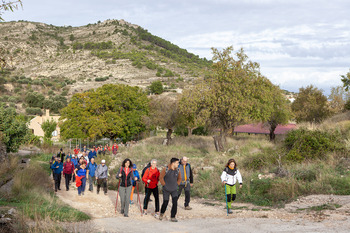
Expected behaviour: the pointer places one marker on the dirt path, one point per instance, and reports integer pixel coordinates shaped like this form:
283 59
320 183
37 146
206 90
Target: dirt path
210 216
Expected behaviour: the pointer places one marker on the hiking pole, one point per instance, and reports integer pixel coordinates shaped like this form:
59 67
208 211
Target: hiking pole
116 203
226 200
138 196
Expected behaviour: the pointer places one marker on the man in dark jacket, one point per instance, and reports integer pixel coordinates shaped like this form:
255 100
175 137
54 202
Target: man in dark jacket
170 178
57 168
68 170
186 181
61 154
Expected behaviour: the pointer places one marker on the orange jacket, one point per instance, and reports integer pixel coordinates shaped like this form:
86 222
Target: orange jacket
78 180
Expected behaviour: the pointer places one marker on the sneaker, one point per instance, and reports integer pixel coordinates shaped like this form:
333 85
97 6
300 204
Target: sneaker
156 215
188 208
230 211
161 217
82 193
79 194
144 212
131 202
173 219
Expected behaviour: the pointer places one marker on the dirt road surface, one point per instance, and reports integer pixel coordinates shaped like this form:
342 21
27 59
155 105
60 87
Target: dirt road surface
210 216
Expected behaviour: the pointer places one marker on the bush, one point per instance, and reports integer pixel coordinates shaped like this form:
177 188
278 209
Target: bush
34 99
307 144
101 79
156 87
33 111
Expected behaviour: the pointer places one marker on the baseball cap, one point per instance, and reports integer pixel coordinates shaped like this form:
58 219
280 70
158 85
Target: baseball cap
103 161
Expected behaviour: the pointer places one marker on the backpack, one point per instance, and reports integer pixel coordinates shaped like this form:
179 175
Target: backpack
145 168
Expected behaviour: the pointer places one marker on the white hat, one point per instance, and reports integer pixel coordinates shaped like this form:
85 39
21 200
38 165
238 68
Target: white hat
73 156
103 161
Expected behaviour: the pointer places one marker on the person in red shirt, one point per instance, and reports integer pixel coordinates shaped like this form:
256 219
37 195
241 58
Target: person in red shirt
68 170
151 179
115 148
76 150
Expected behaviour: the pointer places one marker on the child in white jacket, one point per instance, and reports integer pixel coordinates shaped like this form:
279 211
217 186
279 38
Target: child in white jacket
229 177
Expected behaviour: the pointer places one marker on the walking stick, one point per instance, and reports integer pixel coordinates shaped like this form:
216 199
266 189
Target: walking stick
226 200
138 196
116 203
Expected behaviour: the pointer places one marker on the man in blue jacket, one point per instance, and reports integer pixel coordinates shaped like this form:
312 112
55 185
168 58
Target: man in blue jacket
91 168
57 168
92 154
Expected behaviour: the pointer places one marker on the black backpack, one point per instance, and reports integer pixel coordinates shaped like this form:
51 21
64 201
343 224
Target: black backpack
145 168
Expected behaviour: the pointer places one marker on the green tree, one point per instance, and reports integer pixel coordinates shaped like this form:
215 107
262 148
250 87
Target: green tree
109 111
237 93
346 80
71 37
13 128
281 113
48 127
34 99
310 105
156 87
192 107
338 99
164 113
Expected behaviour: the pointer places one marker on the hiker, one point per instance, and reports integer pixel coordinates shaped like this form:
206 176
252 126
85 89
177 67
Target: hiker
91 170
75 163
126 175
136 174
115 149
61 154
76 150
80 177
148 165
151 179
68 170
57 168
186 181
92 153
69 155
84 149
170 178
102 176
52 160
229 177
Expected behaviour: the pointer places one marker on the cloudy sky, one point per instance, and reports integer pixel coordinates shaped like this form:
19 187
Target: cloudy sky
297 43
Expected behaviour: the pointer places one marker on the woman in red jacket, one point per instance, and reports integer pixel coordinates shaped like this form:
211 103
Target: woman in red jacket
68 169
151 179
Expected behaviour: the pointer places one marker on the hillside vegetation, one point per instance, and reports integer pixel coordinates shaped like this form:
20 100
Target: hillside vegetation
57 62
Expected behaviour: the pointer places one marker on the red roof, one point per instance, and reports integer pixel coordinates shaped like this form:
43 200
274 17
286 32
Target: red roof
259 129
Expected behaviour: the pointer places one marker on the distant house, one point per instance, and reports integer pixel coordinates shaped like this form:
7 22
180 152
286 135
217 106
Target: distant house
260 129
35 125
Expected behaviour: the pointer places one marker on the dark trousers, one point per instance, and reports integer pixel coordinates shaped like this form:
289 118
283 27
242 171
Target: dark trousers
102 182
148 195
81 188
68 177
73 177
57 178
187 189
166 195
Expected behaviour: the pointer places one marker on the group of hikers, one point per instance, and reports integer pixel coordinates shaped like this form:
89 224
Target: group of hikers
174 178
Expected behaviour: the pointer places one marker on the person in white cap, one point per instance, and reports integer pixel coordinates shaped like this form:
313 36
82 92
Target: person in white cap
101 174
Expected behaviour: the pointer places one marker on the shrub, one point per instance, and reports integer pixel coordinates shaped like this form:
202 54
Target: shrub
156 87
101 79
34 99
33 111
307 144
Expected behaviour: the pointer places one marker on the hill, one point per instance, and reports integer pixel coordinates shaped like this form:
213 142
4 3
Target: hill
60 61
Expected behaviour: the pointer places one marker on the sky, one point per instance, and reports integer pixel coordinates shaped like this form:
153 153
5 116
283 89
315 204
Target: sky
297 43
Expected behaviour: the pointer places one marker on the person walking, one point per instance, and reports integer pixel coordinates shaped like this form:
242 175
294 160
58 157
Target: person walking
229 178
52 160
102 176
91 168
126 176
151 179
115 149
137 175
61 154
186 181
81 175
170 178
92 153
76 150
68 170
75 163
57 168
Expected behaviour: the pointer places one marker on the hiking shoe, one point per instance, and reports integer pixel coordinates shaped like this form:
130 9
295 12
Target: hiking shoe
125 215
161 217
188 208
156 215
144 212
82 193
173 220
106 194
79 194
230 211
98 192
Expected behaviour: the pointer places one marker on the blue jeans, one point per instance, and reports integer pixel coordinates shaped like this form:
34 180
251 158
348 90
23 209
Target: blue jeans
81 188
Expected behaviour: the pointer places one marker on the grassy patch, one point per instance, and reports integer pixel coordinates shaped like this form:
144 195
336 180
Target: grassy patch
318 208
